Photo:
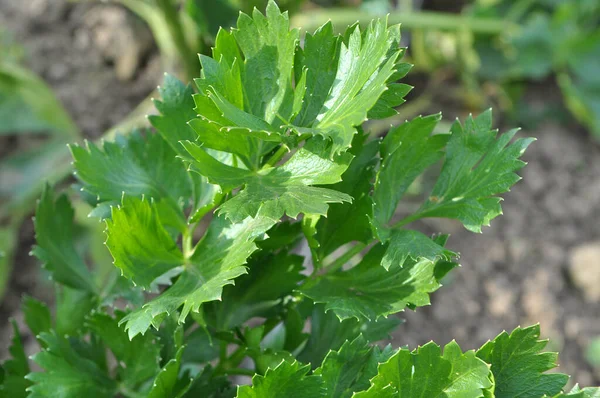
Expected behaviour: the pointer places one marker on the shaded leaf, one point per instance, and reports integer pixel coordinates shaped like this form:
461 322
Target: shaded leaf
37 315
137 359
209 385
270 278
348 222
13 371
72 308
168 383
55 242
329 333
176 109
406 151
67 374
369 291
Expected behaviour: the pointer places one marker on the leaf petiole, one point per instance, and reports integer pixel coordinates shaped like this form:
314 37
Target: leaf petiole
280 153
344 258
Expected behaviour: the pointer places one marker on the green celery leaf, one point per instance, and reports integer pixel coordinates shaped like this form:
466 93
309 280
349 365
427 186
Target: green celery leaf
140 245
266 350
477 167
55 242
239 97
365 63
270 278
260 85
176 109
425 372
67 373
532 56
288 380
240 142
369 291
293 324
168 383
268 46
137 358
283 235
320 57
37 315
329 333
209 17
518 364
13 383
309 229
171 336
209 385
133 166
577 392
395 92
218 259
348 222
406 151
287 189
350 369
72 307
8 245
406 244
389 100
201 347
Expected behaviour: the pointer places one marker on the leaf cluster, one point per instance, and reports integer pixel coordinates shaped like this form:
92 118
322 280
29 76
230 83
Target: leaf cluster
253 232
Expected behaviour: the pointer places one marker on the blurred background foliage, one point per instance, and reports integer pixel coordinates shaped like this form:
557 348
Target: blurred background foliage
473 54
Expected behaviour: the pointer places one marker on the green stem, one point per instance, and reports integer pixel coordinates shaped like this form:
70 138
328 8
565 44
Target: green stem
187 241
230 365
356 249
344 258
237 357
407 220
222 353
281 152
342 17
